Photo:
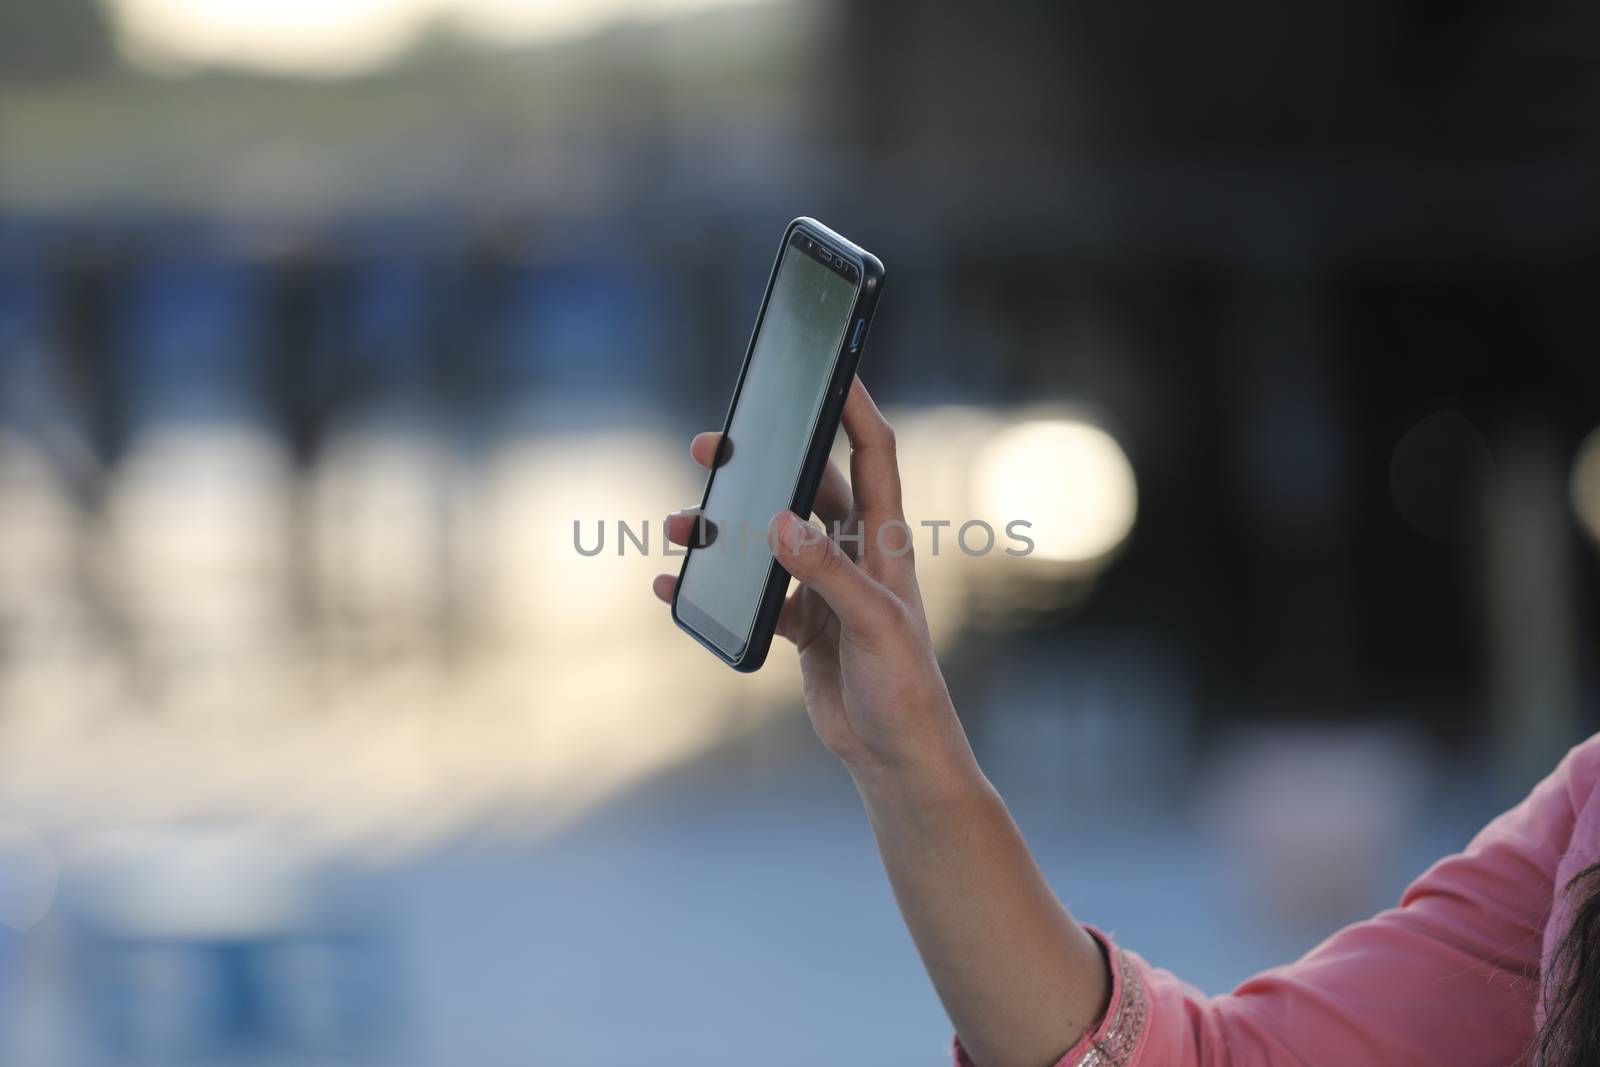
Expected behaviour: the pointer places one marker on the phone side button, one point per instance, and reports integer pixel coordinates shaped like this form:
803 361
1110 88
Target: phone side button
855 338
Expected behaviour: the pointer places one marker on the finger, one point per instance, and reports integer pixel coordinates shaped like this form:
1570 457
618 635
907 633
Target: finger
834 498
789 616
664 586
805 552
803 617
885 551
705 449
874 470
691 529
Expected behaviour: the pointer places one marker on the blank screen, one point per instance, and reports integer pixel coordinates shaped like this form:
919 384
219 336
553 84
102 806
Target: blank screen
790 365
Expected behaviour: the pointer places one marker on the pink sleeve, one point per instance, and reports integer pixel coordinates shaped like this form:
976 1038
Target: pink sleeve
1448 978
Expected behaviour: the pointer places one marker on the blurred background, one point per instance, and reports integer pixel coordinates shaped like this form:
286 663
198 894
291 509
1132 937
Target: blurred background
323 321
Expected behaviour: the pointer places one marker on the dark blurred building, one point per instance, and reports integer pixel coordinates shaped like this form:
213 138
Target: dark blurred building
1272 240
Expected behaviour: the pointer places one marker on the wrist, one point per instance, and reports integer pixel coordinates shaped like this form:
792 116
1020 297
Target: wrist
934 775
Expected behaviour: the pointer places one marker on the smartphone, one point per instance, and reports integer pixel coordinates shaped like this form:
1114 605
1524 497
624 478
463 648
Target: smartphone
779 429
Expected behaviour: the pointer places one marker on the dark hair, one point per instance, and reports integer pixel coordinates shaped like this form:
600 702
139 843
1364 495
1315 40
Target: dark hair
1571 984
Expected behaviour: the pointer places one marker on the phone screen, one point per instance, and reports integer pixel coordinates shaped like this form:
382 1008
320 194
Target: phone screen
791 364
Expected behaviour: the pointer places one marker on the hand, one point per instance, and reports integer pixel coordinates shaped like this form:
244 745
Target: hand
1021 980
872 685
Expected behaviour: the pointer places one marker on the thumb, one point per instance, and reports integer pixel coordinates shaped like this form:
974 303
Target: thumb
805 551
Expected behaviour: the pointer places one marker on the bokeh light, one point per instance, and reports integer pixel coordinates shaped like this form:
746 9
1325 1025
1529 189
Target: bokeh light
345 37
1069 478
1586 485
936 448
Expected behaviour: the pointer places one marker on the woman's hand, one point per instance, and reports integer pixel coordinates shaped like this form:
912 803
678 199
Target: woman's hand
1020 979
872 685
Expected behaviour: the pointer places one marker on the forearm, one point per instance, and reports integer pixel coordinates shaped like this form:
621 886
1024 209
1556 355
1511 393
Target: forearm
1019 977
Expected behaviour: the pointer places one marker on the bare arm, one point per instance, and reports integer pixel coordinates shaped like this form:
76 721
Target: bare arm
1021 980
1018 976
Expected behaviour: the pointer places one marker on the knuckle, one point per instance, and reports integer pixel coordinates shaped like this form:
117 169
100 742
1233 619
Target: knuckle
885 610
828 560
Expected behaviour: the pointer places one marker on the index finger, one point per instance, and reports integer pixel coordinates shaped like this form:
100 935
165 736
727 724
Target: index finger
874 468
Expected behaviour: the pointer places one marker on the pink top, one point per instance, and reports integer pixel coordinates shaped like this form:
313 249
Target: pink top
1449 978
